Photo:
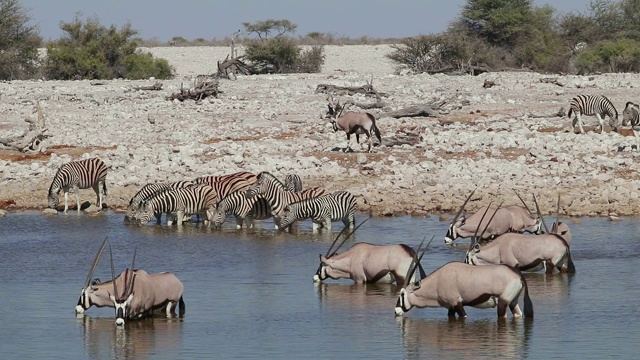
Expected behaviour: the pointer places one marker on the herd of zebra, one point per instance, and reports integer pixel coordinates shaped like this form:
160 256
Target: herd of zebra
601 107
243 194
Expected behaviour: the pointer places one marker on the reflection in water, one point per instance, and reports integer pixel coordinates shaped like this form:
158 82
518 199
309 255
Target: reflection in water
461 338
554 288
360 296
135 340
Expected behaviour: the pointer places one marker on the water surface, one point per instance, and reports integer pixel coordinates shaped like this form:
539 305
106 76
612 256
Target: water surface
250 294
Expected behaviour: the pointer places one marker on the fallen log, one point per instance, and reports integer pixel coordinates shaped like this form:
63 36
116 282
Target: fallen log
31 139
551 81
155 87
366 90
413 111
202 90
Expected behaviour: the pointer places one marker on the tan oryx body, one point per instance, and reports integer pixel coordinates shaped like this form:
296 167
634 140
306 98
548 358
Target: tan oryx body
513 218
456 285
526 252
358 124
367 263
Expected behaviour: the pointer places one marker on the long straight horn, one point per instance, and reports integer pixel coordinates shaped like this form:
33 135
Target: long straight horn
557 214
129 283
540 214
113 275
335 241
521 200
415 262
490 219
475 234
455 218
95 262
347 238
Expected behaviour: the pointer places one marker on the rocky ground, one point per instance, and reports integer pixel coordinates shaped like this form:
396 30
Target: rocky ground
495 139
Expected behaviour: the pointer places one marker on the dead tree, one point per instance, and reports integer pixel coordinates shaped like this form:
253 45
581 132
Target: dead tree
30 140
204 86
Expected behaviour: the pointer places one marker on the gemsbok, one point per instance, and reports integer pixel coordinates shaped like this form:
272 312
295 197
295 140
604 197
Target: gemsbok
456 285
528 253
512 218
354 123
365 263
144 293
167 289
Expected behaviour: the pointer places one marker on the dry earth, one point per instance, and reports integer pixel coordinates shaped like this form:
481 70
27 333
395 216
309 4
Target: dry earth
494 139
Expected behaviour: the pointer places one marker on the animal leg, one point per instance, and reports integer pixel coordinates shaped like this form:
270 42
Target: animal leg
637 134
548 267
66 201
451 313
578 119
326 224
601 122
170 310
515 309
460 310
348 143
179 217
159 218
96 188
76 192
502 308
239 221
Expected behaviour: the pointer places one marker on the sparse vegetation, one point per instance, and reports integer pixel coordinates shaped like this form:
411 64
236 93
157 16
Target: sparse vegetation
89 50
19 42
279 53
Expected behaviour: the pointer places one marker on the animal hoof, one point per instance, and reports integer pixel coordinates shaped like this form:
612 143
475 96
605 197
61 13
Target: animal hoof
316 278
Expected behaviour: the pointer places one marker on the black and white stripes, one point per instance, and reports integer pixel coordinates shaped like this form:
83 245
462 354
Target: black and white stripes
597 105
631 116
81 174
340 205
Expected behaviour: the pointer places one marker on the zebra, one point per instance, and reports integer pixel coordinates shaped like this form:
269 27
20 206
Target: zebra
340 205
148 191
293 183
269 187
177 203
81 174
243 208
597 105
227 184
631 116
211 179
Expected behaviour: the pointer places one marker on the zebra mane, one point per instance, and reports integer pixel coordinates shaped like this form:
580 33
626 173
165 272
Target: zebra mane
55 177
269 177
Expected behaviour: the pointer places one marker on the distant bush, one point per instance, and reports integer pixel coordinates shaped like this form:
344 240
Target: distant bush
280 54
19 42
621 55
89 50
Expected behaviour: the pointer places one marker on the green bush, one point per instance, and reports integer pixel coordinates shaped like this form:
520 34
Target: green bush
280 54
19 42
89 50
610 56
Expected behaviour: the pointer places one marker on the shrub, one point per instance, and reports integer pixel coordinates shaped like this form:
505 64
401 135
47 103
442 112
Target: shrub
18 43
610 56
310 60
92 51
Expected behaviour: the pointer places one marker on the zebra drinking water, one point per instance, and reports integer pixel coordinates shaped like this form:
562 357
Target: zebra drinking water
178 203
269 187
340 205
81 174
244 209
597 105
631 116
147 192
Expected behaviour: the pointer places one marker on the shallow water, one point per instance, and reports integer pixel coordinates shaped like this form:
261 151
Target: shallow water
250 294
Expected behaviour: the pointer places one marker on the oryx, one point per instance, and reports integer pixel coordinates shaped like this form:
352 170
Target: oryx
94 293
512 218
528 253
353 123
143 293
456 284
365 263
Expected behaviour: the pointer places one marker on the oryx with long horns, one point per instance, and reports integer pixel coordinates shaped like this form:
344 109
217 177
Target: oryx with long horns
456 285
94 293
512 218
528 253
365 263
143 293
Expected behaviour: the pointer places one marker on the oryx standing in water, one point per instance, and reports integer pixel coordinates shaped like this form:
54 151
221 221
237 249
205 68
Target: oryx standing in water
456 285
143 293
365 263
512 218
528 253
94 293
